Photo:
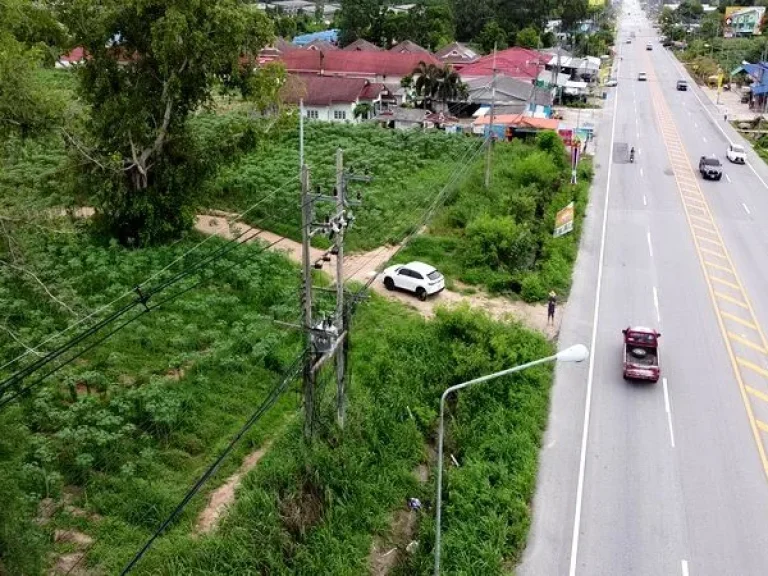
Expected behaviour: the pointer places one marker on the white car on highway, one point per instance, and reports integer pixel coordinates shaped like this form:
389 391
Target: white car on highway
416 277
736 154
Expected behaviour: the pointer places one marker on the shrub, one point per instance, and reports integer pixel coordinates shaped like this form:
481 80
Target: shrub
498 243
532 289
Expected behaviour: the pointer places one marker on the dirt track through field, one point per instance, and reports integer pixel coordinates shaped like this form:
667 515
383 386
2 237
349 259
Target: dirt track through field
361 267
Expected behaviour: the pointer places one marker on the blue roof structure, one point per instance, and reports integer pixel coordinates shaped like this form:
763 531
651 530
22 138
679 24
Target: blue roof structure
759 73
327 35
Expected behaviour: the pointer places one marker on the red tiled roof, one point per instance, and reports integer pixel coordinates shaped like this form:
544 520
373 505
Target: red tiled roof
75 55
408 47
318 44
354 63
361 45
514 62
373 90
519 121
326 90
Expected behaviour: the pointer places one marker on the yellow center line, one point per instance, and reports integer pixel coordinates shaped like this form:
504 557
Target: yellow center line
757 394
752 366
748 343
710 240
708 251
717 266
724 282
738 320
702 229
730 299
672 142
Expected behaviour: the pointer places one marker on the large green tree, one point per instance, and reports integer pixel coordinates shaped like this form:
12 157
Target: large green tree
27 30
492 36
429 23
152 63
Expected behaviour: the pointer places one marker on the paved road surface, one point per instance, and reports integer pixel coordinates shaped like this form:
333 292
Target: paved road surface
674 477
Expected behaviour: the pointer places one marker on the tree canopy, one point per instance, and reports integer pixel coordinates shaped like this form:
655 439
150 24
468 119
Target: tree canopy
26 31
151 63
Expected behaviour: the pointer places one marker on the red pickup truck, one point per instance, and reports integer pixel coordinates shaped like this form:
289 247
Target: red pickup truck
641 353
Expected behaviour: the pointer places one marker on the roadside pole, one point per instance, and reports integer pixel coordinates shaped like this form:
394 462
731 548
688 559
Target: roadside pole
340 316
489 149
308 373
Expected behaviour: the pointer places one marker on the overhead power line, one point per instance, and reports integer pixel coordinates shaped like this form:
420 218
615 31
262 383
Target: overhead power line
143 300
127 293
268 402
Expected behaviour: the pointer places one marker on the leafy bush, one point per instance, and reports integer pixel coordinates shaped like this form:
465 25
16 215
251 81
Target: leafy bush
313 509
503 234
498 243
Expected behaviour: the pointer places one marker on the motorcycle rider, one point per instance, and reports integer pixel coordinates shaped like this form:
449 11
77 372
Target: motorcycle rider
632 154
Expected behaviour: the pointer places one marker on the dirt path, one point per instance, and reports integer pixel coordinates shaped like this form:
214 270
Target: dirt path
362 266
223 497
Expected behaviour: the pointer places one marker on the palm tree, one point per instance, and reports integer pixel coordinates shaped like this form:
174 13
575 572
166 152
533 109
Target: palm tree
426 83
449 85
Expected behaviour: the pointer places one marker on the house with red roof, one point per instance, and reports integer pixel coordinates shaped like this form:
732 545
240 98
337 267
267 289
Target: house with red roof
334 98
408 47
385 66
521 63
361 45
457 55
71 58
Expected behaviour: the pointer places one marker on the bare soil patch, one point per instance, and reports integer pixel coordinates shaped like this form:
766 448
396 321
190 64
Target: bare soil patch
223 497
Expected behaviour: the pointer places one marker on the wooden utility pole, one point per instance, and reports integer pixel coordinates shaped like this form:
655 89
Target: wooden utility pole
489 149
309 373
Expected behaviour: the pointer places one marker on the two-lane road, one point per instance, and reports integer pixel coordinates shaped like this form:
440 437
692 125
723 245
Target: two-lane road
666 478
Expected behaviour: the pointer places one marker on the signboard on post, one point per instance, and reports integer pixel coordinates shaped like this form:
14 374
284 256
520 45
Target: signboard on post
743 21
564 221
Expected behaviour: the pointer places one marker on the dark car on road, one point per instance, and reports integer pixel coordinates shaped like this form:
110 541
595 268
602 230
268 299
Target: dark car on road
710 168
682 85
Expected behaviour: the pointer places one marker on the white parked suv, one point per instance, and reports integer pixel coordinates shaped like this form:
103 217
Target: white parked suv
736 154
417 277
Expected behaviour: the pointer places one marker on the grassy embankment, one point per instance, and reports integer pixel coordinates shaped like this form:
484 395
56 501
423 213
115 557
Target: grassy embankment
125 430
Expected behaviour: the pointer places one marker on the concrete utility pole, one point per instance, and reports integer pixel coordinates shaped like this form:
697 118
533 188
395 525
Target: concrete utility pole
309 374
489 149
328 338
341 191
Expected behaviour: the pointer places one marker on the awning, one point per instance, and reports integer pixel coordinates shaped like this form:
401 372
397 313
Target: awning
482 111
759 88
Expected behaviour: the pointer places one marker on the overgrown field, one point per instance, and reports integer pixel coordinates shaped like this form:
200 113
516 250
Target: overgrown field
312 510
119 435
122 431
109 444
408 168
258 163
501 237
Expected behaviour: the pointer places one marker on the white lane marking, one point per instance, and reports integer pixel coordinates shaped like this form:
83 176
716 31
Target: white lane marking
680 67
745 208
685 567
728 178
695 125
669 417
641 172
704 138
645 200
591 373
656 303
638 134
650 246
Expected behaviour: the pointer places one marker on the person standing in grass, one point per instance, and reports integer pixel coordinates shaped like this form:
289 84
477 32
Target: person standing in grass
551 305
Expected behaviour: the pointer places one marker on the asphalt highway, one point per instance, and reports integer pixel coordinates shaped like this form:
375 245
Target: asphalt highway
667 478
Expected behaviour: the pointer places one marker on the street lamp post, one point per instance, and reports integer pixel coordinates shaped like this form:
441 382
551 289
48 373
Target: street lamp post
576 353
